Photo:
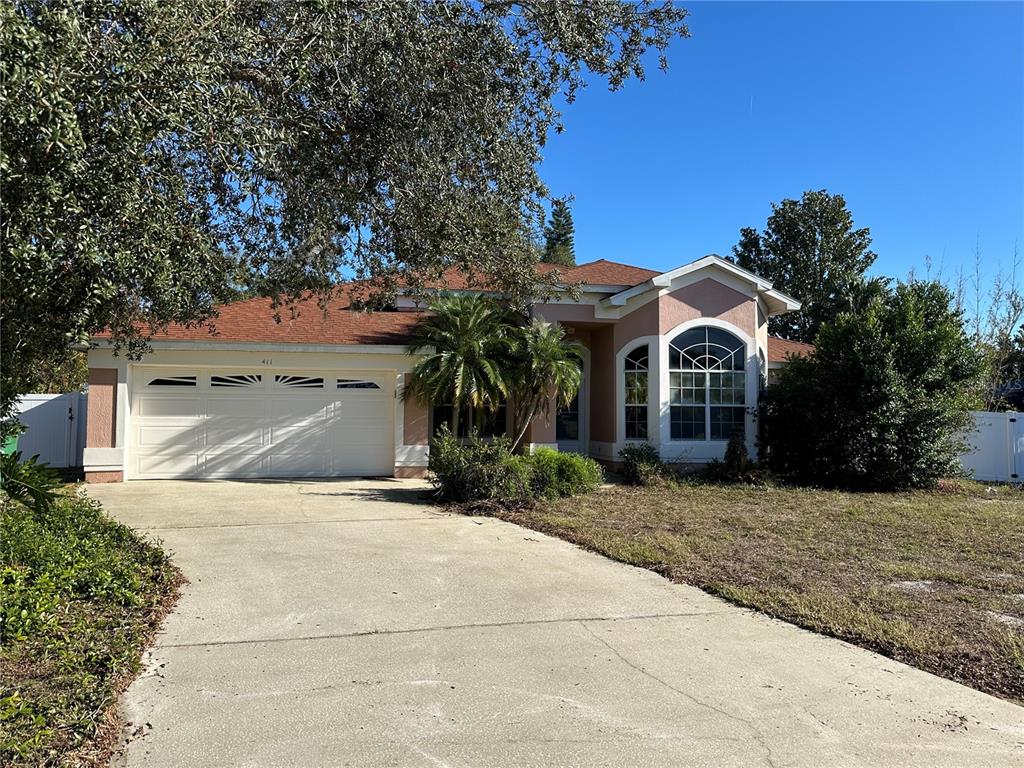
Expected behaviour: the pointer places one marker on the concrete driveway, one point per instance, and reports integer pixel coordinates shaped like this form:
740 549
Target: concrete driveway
350 623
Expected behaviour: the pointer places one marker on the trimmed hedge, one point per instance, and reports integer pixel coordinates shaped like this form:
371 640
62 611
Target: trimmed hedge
479 470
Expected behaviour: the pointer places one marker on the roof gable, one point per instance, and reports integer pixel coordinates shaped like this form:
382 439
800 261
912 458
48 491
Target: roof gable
775 301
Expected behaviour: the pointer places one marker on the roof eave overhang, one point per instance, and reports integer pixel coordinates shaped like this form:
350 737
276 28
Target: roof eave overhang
779 303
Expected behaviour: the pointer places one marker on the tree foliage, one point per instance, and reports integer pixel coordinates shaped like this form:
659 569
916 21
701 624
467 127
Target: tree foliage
882 402
464 345
559 236
477 353
811 250
158 156
546 367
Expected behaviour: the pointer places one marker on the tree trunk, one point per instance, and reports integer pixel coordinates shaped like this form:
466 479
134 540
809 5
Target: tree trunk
526 424
455 419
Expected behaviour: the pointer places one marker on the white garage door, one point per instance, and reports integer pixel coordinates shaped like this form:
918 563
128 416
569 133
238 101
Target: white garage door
207 422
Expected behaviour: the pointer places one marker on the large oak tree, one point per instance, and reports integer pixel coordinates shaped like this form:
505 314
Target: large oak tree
158 157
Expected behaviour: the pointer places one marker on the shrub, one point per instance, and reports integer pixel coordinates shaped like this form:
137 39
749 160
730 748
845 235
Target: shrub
477 470
556 474
882 402
642 465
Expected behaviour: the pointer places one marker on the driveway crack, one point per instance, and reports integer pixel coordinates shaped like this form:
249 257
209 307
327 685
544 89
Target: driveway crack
442 628
757 735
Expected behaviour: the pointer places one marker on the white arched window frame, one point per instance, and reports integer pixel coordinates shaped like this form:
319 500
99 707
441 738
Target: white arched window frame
707 384
636 386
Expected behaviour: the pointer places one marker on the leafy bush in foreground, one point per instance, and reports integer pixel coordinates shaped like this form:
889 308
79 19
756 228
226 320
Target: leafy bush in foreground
882 402
479 470
80 596
28 481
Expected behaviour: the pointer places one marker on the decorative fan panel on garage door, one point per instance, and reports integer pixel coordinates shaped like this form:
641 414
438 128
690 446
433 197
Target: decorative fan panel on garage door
243 380
300 382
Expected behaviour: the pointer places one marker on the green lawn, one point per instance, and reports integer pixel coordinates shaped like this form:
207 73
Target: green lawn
80 598
933 579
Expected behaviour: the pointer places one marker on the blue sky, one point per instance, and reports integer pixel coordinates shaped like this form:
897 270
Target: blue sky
913 111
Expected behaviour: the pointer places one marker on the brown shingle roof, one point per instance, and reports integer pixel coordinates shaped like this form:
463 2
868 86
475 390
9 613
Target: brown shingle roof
603 272
252 320
600 272
780 349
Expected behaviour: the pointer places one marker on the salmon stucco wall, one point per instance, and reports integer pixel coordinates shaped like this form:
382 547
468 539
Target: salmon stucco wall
602 385
706 298
416 423
542 428
101 408
566 313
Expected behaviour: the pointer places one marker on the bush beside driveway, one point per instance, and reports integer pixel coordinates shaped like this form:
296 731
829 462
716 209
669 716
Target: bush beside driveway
82 596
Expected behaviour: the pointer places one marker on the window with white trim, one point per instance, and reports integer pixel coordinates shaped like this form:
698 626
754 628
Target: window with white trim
636 373
707 384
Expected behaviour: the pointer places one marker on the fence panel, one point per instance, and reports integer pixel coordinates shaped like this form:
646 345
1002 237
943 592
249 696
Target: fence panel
997 447
54 428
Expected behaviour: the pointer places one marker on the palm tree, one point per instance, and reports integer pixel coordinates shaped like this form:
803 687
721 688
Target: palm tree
465 346
548 366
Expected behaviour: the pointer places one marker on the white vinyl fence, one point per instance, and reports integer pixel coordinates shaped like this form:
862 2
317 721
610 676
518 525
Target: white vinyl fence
55 428
998 447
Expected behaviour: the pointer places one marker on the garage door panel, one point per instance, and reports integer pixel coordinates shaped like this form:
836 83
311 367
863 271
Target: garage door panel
356 464
271 430
184 436
167 465
301 439
242 407
362 439
231 432
164 406
234 464
286 409
300 465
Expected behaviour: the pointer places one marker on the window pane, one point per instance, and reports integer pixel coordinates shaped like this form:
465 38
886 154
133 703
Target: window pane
567 421
636 388
724 420
637 359
707 349
487 423
687 422
636 422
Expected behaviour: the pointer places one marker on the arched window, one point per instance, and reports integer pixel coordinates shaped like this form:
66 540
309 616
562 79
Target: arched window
636 375
707 384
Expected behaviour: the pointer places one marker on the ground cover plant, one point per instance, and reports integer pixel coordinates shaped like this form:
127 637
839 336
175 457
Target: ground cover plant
80 598
930 578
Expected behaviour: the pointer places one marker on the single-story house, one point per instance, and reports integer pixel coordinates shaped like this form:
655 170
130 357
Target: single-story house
673 358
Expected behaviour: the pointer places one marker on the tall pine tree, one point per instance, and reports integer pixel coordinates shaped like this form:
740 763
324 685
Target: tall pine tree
559 247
